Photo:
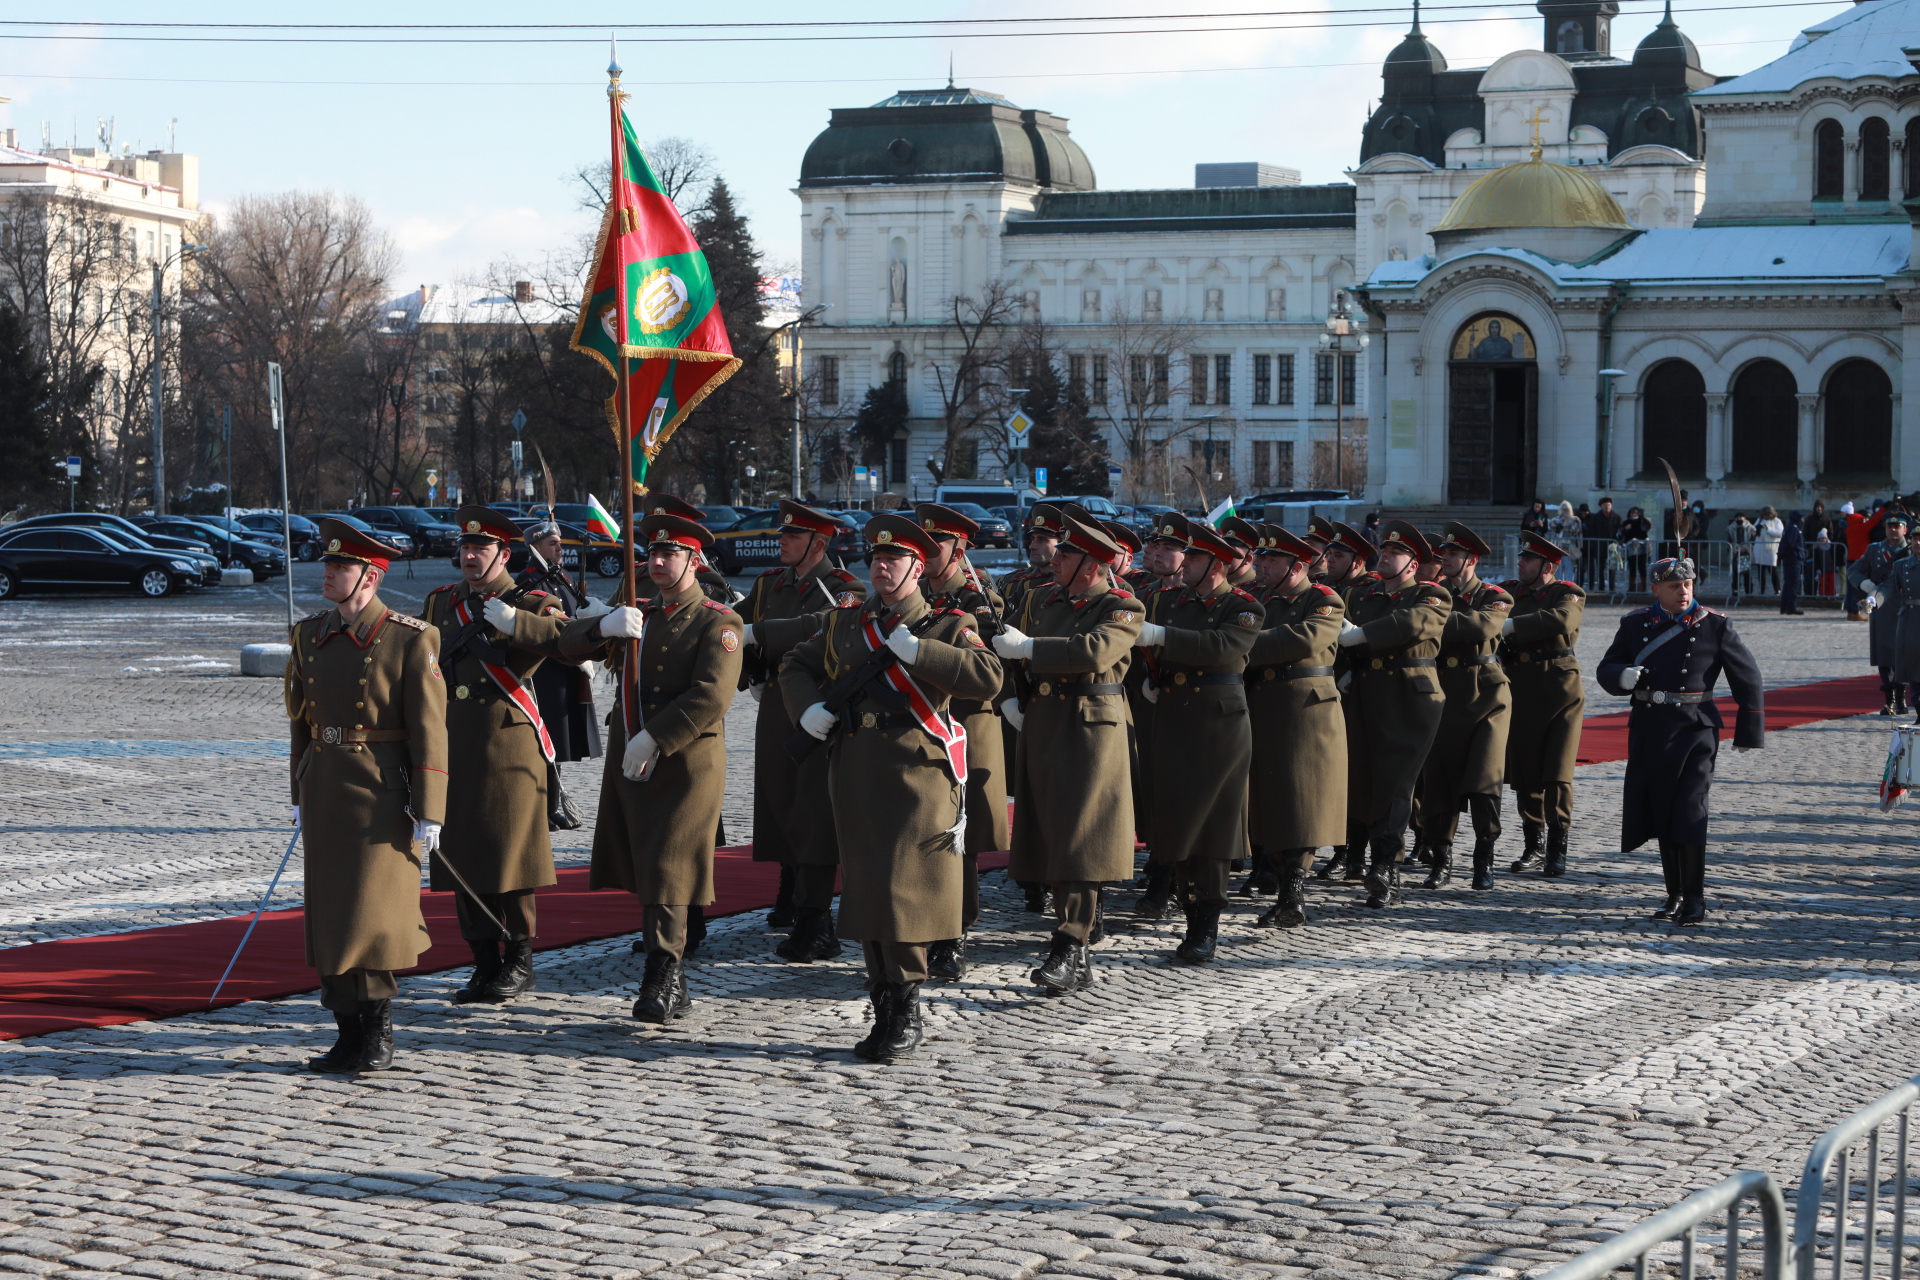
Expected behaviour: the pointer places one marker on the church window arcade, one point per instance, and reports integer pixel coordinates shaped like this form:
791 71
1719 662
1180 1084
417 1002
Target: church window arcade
1858 421
1875 159
1829 161
1675 422
1765 420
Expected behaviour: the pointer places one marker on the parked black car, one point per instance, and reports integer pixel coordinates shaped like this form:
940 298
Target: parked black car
578 549
400 541
126 531
431 535
265 561
753 542
306 534
52 556
995 531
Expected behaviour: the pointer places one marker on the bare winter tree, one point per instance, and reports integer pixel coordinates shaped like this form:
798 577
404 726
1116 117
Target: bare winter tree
685 169
1145 374
970 388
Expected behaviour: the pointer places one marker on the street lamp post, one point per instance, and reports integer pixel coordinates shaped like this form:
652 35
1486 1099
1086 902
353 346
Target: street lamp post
793 327
160 266
1341 329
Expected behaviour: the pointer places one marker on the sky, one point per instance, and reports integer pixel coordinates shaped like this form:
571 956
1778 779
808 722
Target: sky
464 151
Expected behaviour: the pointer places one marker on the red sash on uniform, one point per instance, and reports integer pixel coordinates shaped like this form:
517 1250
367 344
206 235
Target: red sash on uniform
510 685
949 733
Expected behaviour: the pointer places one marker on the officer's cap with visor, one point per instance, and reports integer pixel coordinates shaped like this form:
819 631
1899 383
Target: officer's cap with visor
1088 537
797 517
1671 569
1276 541
479 525
1455 534
1170 527
1402 536
664 529
1044 519
890 534
345 544
656 503
943 523
1532 544
1129 540
1204 539
1348 538
1241 531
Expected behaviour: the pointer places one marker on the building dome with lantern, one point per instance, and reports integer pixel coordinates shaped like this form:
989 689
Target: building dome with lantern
1557 210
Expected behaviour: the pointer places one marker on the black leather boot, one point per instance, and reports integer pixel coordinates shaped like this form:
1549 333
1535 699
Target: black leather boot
376 1035
345 1054
1036 896
696 930
904 1030
1886 707
783 915
1483 864
1692 910
1099 930
947 960
1670 876
1485 814
1335 865
1383 875
1290 912
1442 867
1900 699
1691 861
1356 868
1203 934
1153 903
1556 864
486 967
1531 854
1262 879
813 938
880 1000
516 974
1067 968
1421 854
663 990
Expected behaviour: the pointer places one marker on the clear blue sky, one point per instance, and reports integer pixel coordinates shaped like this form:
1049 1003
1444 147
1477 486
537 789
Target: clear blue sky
464 151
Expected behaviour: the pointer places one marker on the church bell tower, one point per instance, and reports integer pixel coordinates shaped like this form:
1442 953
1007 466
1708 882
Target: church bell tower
1578 30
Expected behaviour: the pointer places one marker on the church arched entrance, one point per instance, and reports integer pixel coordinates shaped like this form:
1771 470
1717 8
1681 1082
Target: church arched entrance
1493 393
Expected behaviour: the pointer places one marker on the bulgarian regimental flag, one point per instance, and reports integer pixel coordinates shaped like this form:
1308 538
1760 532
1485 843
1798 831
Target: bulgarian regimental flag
651 301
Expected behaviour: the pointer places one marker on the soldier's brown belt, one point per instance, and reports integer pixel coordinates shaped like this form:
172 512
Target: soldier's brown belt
479 690
1262 674
1664 695
881 720
333 734
1475 660
1367 666
1186 679
1051 689
1537 655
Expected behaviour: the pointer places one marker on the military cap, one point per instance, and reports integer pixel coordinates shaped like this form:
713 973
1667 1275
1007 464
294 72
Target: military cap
1455 534
664 528
1400 535
1240 531
1322 528
1896 515
655 503
1207 540
1169 527
347 545
945 522
485 524
1276 541
1315 540
798 517
1348 538
1044 518
1532 544
1090 537
890 532
1129 540
1671 569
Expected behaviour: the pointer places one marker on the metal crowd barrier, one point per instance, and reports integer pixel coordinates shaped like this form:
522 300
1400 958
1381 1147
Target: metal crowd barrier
1682 1223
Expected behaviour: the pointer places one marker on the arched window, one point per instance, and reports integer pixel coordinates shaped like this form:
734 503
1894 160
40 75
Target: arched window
1674 408
897 367
1766 430
1859 420
1569 38
1875 169
1829 161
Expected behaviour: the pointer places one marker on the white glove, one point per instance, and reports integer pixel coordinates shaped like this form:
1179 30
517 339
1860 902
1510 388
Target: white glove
1013 643
427 836
1152 635
1342 683
1630 677
594 609
905 644
1148 692
642 754
500 615
1877 599
1350 634
296 817
758 691
621 624
818 721
753 633
1506 628
1010 709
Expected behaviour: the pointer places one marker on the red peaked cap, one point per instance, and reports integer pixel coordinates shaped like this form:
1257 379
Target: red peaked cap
945 522
1532 544
1402 535
1276 541
1127 538
1351 539
1207 540
485 524
889 531
800 518
347 545
1083 535
663 528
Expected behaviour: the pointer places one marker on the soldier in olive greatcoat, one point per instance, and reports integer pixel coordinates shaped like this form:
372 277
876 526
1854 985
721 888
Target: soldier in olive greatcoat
896 766
676 662
1243 537
1549 699
1044 526
1872 574
496 637
1299 777
1344 569
1162 553
792 820
366 707
1469 756
1196 643
1392 633
1074 788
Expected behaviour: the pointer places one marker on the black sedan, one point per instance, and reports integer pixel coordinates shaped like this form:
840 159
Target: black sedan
306 534
995 531
124 531
51 557
265 561
399 541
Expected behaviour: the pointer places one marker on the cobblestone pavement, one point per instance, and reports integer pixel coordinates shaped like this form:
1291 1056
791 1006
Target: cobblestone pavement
1471 1084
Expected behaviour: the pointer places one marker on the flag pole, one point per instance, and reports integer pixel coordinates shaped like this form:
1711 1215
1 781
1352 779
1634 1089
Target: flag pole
623 407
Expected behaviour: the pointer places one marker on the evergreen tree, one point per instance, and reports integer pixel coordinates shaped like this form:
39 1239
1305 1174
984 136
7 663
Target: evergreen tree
28 479
1064 439
883 414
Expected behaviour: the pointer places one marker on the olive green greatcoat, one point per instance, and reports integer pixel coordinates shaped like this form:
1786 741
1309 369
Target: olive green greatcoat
894 801
989 762
1348 589
1298 791
655 838
1549 699
792 821
1141 709
379 677
1201 745
1469 755
496 833
1074 787
1396 708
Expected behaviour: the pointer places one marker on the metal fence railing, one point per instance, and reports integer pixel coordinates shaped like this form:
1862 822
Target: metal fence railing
1825 1225
1681 1224
1612 570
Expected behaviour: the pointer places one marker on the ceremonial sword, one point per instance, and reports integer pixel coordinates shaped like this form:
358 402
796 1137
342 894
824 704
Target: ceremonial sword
271 884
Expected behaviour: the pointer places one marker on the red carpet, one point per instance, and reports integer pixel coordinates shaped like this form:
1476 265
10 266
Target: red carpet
1604 738
161 973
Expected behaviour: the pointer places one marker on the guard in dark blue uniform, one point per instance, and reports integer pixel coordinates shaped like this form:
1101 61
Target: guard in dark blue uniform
1668 656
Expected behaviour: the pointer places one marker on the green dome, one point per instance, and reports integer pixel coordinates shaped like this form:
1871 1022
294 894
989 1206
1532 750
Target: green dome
945 135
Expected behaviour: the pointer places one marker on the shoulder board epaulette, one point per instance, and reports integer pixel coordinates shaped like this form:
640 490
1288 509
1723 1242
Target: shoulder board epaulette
312 617
841 574
1573 588
1242 594
437 590
770 572
1712 612
958 613
716 606
408 620
1510 585
1121 592
531 595
1643 611
1325 590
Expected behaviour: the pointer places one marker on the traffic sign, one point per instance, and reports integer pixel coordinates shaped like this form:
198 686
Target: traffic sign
517 456
1113 479
519 420
433 494
1019 426
433 478
73 468
1040 479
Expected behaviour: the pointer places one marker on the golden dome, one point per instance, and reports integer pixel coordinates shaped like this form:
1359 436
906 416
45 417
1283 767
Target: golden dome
1535 193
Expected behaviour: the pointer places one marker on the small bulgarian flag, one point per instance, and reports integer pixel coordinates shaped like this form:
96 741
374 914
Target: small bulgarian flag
600 522
651 301
1225 511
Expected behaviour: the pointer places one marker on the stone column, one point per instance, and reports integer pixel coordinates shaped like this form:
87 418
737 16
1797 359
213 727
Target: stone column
1719 439
1625 425
1897 176
1850 183
1808 460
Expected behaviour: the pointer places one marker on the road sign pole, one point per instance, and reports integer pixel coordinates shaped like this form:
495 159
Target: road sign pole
277 402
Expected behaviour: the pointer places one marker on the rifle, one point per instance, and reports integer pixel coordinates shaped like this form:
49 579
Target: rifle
469 635
802 743
993 623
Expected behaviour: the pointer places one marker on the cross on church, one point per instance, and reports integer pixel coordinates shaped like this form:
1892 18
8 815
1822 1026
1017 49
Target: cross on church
1537 119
